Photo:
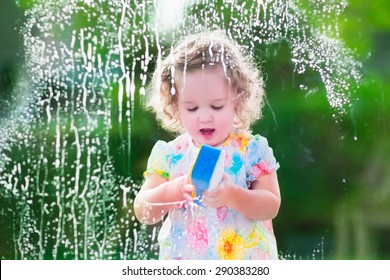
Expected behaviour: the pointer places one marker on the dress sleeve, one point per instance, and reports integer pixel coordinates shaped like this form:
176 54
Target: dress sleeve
159 159
260 158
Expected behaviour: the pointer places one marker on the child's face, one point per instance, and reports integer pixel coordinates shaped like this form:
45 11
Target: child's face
206 105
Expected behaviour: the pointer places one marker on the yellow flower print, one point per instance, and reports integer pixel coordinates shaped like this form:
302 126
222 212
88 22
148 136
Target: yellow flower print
231 245
241 140
229 139
255 238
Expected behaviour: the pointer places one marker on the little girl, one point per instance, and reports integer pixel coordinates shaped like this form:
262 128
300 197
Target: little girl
210 93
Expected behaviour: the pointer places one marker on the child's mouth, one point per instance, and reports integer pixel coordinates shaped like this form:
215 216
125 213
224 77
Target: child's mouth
207 131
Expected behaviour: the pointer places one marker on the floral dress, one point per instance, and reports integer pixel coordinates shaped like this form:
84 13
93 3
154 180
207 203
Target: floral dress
199 232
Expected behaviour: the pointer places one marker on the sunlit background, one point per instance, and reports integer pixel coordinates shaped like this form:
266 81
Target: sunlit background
75 137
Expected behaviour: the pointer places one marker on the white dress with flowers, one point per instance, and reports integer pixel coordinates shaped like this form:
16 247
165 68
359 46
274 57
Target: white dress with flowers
198 232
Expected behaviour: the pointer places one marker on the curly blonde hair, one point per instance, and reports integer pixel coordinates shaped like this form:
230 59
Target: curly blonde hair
207 49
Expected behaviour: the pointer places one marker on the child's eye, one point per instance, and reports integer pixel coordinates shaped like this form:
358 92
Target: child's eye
217 108
192 109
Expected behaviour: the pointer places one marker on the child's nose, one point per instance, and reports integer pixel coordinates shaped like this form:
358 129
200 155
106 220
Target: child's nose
205 117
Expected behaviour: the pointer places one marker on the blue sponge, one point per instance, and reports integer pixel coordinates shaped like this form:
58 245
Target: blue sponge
207 170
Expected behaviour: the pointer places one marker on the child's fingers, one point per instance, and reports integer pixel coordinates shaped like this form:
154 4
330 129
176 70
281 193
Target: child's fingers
210 202
187 179
189 190
213 199
188 197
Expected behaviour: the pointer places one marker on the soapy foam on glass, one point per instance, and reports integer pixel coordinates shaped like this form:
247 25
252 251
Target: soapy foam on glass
207 171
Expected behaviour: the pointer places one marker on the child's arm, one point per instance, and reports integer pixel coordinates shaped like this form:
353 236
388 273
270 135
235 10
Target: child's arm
158 195
260 202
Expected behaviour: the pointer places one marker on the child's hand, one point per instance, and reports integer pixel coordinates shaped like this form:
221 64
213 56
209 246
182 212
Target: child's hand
184 190
221 195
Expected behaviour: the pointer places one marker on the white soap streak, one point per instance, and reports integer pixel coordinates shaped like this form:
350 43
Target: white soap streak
135 241
179 202
122 63
157 40
165 203
124 196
